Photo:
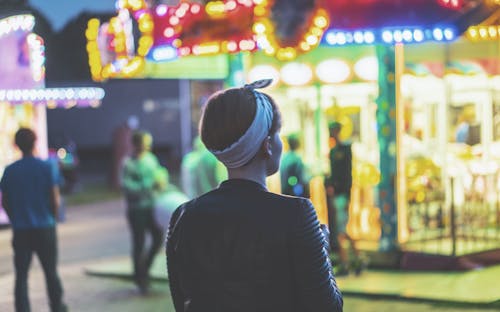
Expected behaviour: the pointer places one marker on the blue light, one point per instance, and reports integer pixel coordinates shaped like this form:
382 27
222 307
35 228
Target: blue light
387 36
348 37
449 34
369 37
438 34
407 35
163 53
358 37
418 35
331 38
398 36
341 38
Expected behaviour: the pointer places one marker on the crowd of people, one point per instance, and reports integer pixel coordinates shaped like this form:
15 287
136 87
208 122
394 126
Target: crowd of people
233 243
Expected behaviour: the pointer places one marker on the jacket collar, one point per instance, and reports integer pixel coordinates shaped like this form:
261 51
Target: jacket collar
242 183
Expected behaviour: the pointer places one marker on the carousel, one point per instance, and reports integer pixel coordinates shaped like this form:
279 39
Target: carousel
414 87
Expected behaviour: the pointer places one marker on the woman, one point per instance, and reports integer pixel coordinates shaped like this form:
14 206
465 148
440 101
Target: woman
240 247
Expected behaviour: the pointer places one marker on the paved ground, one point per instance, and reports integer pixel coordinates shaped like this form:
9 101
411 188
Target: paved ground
96 237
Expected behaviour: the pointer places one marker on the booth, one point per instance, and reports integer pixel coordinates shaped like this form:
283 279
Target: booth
23 98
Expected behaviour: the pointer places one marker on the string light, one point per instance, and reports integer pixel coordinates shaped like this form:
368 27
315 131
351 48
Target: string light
24 22
54 97
483 32
389 36
266 38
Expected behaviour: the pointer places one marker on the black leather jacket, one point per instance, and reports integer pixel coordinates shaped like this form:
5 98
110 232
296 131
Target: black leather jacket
242 248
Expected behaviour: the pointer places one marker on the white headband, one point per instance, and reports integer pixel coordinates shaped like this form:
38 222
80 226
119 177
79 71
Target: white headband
244 149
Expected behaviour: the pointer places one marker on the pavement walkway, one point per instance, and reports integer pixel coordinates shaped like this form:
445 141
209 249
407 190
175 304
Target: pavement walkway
477 287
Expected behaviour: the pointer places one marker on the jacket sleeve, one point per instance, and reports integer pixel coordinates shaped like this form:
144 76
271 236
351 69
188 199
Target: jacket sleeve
315 284
173 266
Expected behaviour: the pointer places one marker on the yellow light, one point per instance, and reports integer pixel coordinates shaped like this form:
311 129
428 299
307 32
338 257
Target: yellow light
259 28
312 40
208 48
305 46
146 41
483 32
51 104
257 2
285 54
215 8
259 11
94 104
320 21
472 32
492 31
91 46
316 31
135 4
70 104
270 50
93 23
146 26
177 43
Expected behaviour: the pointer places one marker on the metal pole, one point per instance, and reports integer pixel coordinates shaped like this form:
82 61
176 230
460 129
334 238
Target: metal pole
452 217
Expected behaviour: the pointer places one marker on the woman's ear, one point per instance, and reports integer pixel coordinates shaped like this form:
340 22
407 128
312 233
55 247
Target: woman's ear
267 147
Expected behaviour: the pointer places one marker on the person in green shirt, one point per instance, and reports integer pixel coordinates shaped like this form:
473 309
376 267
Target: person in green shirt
294 180
201 172
142 179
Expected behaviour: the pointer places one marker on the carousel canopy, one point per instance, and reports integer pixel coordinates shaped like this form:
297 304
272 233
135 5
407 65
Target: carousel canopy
140 34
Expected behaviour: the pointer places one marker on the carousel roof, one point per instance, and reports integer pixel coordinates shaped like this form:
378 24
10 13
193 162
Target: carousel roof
280 28
361 14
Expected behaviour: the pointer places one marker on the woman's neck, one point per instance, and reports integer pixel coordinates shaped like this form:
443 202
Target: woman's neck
253 171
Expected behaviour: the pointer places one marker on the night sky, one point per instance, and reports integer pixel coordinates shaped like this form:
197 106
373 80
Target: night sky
59 12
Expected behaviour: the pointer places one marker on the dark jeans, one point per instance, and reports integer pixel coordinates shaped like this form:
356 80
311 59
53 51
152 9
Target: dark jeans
44 243
140 222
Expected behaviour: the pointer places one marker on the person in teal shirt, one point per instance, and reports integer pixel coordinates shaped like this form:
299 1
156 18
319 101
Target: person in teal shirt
142 179
294 180
31 199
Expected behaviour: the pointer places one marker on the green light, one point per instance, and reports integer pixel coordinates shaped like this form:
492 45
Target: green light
292 180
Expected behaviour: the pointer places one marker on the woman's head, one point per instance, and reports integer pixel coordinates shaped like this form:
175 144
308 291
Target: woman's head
235 123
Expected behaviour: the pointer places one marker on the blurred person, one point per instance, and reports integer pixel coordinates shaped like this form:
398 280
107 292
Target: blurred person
30 196
142 179
121 148
200 171
241 247
465 120
338 188
294 180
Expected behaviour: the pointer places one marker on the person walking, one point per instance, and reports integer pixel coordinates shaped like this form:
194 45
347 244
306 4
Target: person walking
339 185
30 196
240 247
142 178
294 180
